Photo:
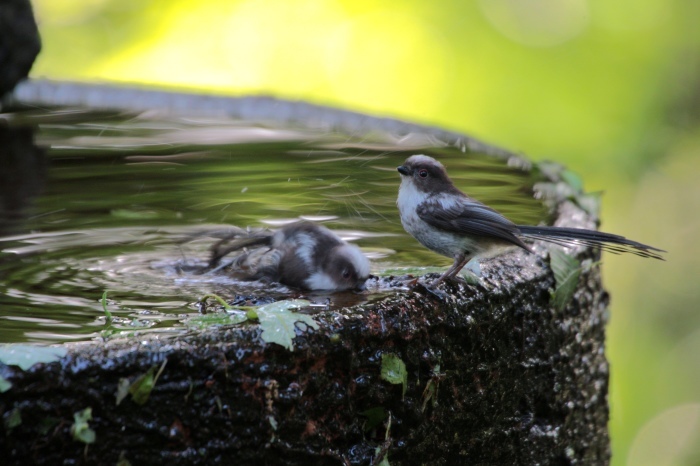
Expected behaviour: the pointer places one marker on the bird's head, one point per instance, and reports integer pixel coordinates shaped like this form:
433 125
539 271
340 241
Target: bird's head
426 174
347 267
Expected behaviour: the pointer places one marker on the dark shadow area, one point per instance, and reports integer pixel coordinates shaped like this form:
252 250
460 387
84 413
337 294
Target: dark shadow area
19 42
22 176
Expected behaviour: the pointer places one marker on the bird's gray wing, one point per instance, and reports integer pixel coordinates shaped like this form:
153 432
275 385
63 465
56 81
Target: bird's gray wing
470 218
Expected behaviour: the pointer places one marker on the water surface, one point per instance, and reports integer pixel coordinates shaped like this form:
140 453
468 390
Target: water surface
120 197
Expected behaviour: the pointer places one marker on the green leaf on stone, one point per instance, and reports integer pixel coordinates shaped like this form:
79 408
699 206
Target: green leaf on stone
385 459
12 419
431 388
394 371
375 416
278 322
25 356
80 429
567 270
141 388
273 423
5 384
123 461
108 315
122 389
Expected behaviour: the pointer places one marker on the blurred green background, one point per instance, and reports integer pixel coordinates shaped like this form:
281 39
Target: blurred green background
610 88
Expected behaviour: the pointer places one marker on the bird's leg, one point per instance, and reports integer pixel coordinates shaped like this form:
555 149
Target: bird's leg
461 260
464 261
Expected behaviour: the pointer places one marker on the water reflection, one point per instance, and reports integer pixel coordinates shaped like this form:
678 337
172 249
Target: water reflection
22 173
125 194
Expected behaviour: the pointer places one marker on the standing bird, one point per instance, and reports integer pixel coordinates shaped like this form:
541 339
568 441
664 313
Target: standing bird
445 220
301 255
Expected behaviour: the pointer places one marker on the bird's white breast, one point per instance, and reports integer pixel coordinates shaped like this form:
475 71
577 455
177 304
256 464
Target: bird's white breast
320 281
409 198
443 242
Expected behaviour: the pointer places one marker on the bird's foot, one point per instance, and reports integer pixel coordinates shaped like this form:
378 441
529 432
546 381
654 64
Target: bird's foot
438 293
470 278
470 274
412 282
432 288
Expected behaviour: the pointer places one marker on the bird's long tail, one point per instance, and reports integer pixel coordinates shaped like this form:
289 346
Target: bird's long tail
615 244
237 241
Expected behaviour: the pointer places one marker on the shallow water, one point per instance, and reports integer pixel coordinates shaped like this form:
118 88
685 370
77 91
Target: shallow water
122 196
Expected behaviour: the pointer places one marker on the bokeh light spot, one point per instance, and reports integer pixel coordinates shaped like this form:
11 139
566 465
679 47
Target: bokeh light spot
667 438
538 23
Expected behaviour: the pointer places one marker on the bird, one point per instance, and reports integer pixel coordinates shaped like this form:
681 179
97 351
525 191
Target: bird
449 222
301 255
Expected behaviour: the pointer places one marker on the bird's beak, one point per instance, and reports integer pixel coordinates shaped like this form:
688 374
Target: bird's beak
403 170
361 287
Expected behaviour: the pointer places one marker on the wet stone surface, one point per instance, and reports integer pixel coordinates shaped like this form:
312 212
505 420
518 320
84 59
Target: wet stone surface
494 376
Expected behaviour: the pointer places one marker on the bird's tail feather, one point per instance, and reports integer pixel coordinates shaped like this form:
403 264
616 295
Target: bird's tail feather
615 244
236 242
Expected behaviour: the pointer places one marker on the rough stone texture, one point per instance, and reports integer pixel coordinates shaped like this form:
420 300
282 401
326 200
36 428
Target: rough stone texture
19 42
518 383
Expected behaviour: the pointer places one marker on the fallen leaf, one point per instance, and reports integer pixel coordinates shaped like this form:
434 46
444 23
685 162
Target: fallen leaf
567 270
80 429
394 371
278 322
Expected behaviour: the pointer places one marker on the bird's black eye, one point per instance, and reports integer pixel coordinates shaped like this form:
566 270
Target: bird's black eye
423 173
346 273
